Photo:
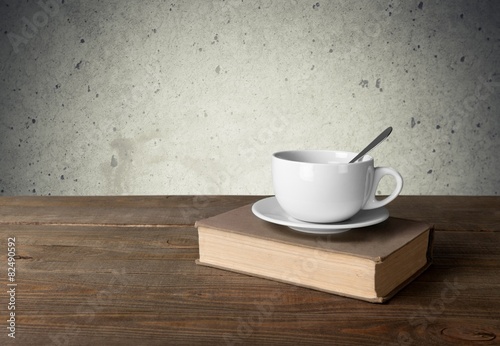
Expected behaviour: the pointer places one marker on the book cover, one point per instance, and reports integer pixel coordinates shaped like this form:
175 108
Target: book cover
370 263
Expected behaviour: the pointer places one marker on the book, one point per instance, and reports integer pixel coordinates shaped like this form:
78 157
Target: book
371 263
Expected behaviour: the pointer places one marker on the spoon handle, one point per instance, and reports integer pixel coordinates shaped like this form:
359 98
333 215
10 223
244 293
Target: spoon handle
373 144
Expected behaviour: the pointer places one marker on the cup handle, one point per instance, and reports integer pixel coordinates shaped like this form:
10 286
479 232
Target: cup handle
380 172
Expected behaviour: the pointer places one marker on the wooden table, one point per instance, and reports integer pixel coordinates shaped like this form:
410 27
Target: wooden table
121 271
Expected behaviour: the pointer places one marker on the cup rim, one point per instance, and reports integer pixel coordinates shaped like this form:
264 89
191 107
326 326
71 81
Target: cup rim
366 158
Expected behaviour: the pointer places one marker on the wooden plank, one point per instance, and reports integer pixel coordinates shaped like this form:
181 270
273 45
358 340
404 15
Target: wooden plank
125 211
445 212
140 285
463 213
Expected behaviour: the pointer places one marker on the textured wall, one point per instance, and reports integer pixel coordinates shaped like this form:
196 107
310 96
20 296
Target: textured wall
192 97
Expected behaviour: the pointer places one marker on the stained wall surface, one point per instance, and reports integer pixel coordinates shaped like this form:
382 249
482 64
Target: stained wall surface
192 97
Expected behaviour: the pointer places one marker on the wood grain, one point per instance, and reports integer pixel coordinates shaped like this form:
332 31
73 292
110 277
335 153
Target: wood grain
467 213
125 211
462 213
86 277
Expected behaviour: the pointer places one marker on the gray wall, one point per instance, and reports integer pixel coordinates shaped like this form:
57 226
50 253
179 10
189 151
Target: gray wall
192 97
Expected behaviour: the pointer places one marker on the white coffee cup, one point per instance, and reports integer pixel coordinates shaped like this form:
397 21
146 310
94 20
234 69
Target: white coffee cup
321 186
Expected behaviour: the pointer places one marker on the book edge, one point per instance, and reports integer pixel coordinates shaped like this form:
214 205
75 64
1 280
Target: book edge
411 278
371 300
376 259
380 299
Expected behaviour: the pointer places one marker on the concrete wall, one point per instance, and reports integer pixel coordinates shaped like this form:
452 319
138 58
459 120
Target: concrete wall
192 97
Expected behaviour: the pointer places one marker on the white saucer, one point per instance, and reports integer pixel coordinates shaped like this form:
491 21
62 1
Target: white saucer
269 210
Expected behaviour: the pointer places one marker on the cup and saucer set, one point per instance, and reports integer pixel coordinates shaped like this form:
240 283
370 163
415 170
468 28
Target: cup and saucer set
321 192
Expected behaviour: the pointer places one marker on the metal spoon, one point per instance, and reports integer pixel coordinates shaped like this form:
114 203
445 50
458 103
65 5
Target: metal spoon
373 144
